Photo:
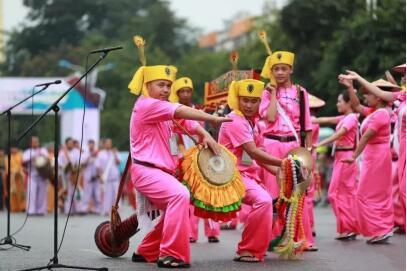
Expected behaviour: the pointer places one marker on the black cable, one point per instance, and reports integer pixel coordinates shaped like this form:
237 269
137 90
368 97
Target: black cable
80 158
29 171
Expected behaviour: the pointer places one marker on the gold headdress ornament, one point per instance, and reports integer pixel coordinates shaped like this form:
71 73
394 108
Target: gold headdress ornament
234 58
146 74
140 42
265 73
263 39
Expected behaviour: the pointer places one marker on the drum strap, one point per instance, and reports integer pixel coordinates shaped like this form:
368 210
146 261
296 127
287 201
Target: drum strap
302 116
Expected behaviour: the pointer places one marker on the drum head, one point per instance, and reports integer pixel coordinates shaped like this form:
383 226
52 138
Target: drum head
40 161
217 170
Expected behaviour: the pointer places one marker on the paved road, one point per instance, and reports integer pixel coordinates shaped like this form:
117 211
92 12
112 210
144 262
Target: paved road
79 249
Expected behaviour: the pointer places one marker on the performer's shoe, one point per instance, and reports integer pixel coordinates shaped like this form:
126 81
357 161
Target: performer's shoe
378 240
171 262
228 226
246 258
213 239
399 230
346 236
192 240
311 248
349 237
137 258
341 236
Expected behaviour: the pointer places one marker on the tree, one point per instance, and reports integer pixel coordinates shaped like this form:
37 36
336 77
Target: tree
363 43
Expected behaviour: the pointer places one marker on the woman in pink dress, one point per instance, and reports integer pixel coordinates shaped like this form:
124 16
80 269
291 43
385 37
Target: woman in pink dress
401 128
374 203
342 189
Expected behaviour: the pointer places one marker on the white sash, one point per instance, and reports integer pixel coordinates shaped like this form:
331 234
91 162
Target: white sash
188 143
287 120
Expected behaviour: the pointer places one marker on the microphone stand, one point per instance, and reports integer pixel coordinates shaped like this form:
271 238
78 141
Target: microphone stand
54 263
9 240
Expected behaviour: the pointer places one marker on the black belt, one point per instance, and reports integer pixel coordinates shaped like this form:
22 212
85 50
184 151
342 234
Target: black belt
281 138
344 149
147 164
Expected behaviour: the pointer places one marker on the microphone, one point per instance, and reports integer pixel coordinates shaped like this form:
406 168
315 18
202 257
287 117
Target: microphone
106 50
49 83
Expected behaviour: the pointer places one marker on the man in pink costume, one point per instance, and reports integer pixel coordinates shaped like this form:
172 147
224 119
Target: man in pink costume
242 138
280 108
374 203
181 92
155 158
342 188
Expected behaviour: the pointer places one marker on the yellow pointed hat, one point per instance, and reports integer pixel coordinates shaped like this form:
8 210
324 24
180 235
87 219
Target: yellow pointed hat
243 88
278 57
183 82
147 74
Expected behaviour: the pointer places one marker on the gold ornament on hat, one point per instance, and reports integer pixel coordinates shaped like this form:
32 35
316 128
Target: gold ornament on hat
140 43
145 74
264 73
263 39
234 58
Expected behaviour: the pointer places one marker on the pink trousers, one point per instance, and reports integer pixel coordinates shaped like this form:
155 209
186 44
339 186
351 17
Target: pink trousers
257 230
212 228
170 237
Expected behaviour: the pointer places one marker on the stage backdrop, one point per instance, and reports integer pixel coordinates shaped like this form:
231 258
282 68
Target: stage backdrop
15 89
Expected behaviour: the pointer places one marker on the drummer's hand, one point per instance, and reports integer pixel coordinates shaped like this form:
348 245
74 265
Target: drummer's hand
348 160
208 141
